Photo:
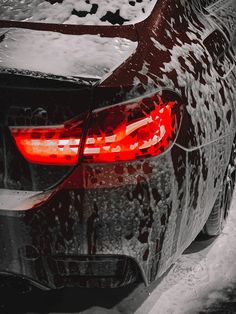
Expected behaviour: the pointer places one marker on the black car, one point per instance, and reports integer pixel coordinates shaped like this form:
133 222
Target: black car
117 136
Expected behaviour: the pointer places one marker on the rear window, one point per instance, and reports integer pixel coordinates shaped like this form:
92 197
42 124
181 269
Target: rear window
86 12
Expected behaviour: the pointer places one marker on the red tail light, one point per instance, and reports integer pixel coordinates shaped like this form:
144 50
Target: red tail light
49 145
123 132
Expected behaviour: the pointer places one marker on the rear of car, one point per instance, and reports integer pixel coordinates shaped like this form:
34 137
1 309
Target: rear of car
73 197
83 163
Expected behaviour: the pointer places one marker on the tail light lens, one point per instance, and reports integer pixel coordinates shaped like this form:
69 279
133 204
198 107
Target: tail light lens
123 132
57 145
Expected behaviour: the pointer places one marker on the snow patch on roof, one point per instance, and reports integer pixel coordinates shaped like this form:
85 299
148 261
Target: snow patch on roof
67 55
89 12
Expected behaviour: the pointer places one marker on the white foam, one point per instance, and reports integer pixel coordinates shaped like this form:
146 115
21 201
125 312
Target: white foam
59 54
16 200
65 12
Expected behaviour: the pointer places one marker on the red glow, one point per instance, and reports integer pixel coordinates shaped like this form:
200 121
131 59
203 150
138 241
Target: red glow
51 146
130 131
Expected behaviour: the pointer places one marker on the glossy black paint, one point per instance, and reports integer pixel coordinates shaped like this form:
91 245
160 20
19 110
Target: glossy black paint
146 210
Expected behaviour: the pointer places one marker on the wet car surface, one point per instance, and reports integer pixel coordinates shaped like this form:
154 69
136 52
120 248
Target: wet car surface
108 177
203 280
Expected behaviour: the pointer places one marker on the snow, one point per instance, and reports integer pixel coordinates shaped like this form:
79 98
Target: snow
93 12
59 54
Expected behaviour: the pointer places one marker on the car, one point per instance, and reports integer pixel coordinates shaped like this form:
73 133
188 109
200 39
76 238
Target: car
117 136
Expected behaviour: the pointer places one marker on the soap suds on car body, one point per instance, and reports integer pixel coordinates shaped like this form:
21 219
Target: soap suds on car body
92 12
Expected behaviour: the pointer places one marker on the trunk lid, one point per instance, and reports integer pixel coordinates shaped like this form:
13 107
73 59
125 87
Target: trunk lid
85 55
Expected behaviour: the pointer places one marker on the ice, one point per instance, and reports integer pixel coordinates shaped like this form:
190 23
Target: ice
59 54
94 12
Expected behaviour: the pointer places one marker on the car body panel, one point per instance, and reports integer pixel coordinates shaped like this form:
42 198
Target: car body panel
149 210
66 55
99 12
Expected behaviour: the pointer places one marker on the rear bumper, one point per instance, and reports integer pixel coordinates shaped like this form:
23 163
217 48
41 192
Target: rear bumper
103 234
96 271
